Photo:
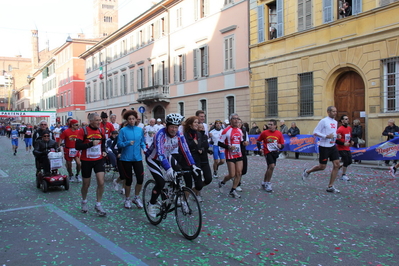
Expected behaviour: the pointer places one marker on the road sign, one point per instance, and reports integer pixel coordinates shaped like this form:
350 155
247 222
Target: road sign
141 109
69 113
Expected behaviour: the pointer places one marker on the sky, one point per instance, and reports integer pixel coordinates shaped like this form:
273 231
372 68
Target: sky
55 20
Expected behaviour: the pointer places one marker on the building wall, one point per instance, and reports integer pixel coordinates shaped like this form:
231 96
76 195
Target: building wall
357 43
154 47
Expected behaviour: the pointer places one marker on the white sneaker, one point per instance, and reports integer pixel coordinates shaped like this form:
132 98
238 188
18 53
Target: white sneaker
128 203
239 189
78 178
215 174
116 185
305 175
344 177
392 171
122 191
234 194
332 190
71 179
281 156
199 198
153 210
268 187
221 185
100 211
84 206
136 200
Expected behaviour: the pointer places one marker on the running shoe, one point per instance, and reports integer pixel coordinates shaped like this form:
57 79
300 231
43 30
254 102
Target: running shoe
268 187
84 206
122 191
239 189
332 189
221 185
128 203
392 171
71 179
136 200
116 185
199 198
153 210
78 178
344 177
305 175
185 207
215 174
234 194
100 211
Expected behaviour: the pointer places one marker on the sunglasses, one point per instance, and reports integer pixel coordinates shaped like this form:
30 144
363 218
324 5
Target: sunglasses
76 124
46 136
43 124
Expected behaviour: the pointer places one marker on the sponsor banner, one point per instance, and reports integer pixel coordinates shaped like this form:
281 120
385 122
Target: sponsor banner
26 114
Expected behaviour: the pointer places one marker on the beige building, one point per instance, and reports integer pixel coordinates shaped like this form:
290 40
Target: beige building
306 56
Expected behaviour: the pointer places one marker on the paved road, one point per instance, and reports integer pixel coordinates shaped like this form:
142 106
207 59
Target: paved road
298 224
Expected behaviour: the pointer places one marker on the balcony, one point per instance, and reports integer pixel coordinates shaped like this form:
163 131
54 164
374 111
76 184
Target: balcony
153 94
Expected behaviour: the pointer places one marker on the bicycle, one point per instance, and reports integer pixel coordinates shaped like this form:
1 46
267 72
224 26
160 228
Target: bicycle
174 197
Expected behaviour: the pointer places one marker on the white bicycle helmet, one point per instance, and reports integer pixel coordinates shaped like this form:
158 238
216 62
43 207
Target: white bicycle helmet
174 119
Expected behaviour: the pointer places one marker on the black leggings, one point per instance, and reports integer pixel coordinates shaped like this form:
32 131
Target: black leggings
126 172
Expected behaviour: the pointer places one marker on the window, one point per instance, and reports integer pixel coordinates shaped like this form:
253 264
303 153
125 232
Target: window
116 85
271 97
230 105
101 90
151 75
162 74
274 20
179 14
391 84
95 91
327 11
140 78
387 2
201 62
109 88
181 108
163 26
123 84
306 94
201 8
151 32
180 68
229 53
131 80
304 14
226 2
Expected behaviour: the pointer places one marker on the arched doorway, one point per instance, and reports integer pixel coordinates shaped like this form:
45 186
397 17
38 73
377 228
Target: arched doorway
349 97
159 112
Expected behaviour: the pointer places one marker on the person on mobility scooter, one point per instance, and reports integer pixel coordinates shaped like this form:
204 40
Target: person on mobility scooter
47 150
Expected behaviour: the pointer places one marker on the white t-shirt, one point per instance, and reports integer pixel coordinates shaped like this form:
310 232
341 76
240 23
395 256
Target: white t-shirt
116 126
325 127
149 133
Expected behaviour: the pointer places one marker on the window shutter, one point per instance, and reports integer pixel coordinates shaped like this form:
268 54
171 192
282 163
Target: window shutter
206 55
165 74
175 68
356 7
138 79
196 9
261 23
195 54
308 14
149 76
280 18
301 23
327 11
183 67
206 7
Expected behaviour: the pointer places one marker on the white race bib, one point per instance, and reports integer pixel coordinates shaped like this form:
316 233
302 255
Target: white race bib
72 152
94 152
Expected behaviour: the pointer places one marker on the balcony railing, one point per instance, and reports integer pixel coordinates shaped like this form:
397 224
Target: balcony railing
156 93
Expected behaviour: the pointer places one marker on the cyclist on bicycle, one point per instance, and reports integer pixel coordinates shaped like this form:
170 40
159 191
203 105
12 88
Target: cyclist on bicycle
167 150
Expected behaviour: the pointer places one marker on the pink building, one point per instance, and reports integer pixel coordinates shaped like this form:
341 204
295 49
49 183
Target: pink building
178 56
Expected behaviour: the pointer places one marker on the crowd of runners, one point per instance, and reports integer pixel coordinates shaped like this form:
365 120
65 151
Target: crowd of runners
175 143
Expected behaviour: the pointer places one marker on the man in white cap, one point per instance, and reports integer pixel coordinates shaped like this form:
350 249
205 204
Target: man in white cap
159 125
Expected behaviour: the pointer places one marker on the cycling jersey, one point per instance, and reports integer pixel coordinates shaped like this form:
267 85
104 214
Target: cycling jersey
164 146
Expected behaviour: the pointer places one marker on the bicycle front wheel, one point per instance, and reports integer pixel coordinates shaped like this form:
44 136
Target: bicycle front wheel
147 192
188 213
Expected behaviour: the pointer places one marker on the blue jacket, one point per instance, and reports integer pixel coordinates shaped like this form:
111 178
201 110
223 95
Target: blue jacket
131 153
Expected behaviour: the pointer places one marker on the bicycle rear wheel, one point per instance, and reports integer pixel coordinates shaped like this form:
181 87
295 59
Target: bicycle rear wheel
188 214
147 192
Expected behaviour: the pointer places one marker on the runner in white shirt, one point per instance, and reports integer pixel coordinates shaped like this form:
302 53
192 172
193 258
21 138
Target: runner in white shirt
159 124
149 132
218 152
326 130
113 122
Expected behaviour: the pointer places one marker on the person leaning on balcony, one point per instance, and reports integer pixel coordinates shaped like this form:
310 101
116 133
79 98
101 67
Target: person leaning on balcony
345 10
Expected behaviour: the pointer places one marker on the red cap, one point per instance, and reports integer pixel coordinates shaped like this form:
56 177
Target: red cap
73 121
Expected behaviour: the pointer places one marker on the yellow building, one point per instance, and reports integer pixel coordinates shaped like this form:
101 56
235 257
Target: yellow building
306 55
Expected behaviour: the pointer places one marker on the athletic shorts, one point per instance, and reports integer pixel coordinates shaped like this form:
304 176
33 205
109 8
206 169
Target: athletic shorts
326 153
89 166
234 160
271 157
217 153
346 157
66 155
28 142
14 142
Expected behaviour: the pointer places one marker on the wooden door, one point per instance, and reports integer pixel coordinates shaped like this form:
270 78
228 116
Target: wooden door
349 97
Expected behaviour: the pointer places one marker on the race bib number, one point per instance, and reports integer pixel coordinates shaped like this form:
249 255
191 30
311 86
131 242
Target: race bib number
73 152
14 136
272 146
94 152
237 149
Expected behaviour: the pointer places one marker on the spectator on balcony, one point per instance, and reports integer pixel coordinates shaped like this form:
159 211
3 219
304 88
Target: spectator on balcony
345 10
